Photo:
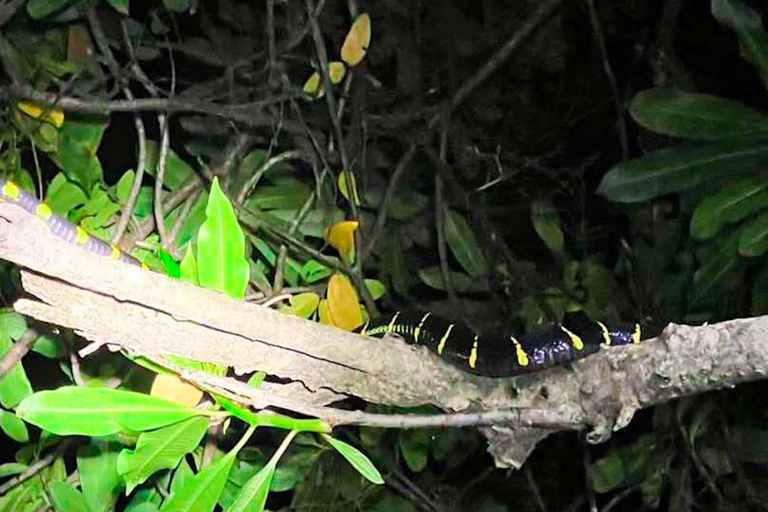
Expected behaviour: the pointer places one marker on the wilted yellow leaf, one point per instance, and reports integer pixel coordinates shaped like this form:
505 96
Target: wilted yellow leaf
343 307
55 116
172 388
343 186
342 237
357 41
336 70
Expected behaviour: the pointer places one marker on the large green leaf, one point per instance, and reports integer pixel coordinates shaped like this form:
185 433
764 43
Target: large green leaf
221 261
547 224
695 116
201 493
749 27
731 204
676 169
463 244
85 411
160 449
754 237
99 479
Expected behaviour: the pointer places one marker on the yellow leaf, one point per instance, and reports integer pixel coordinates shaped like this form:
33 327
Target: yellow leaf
30 109
323 313
172 388
357 41
342 237
336 70
343 307
312 85
55 116
343 187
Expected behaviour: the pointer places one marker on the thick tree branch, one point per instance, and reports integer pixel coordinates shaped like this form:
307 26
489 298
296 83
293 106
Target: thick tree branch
154 316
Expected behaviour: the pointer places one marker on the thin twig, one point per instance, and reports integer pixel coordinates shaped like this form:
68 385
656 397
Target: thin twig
35 468
621 121
502 54
386 202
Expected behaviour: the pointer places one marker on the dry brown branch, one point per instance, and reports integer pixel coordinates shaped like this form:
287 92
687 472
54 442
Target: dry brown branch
152 315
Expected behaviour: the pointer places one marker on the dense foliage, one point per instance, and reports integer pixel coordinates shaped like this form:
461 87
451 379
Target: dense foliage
497 162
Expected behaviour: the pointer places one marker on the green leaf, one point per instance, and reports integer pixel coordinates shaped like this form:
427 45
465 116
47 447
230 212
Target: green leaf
64 196
749 27
66 498
52 348
463 244
14 386
25 498
695 116
754 237
99 479
731 204
124 186
84 411
394 264
188 267
414 445
607 473
78 143
547 225
12 468
120 6
719 261
221 262
461 282
376 288
38 9
286 193
313 271
359 461
177 5
160 449
169 264
201 493
302 305
253 495
145 500
13 427
677 169
12 324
